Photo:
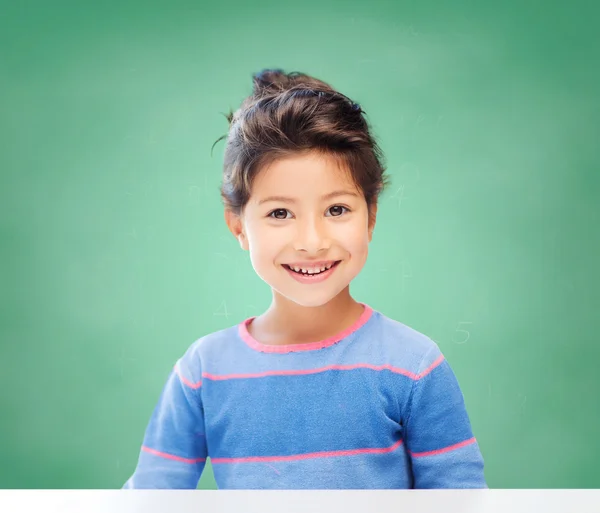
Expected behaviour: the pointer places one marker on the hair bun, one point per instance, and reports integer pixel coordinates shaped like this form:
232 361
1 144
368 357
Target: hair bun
270 81
275 80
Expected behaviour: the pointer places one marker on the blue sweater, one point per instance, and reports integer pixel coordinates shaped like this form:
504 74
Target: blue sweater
376 406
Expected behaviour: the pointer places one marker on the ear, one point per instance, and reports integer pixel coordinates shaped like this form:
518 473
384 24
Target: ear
372 220
236 227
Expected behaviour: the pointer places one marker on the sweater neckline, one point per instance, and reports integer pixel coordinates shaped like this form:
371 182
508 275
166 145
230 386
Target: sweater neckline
307 346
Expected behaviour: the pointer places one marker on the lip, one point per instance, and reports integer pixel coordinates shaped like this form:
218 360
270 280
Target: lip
313 278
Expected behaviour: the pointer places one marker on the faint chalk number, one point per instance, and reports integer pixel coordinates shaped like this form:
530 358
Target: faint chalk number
464 334
222 310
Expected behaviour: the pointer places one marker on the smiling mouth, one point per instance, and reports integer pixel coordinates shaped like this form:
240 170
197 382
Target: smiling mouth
311 271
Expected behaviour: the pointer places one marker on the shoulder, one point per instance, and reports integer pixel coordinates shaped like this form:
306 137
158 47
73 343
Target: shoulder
403 345
204 350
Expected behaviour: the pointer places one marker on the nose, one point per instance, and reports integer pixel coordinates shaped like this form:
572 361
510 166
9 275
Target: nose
312 236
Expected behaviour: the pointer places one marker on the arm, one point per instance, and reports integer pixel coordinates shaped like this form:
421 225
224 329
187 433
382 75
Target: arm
439 439
174 451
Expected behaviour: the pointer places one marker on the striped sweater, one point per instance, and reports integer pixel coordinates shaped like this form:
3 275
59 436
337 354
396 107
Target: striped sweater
376 406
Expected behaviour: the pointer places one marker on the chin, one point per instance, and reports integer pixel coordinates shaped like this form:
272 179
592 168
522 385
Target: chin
308 298
309 302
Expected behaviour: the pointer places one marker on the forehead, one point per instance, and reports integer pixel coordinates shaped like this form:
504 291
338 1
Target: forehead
306 173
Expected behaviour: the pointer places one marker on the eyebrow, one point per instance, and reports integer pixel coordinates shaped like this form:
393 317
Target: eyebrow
285 199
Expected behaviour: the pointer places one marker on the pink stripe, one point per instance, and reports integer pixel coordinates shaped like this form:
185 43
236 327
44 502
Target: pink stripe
294 372
185 381
268 348
172 456
439 360
445 449
296 457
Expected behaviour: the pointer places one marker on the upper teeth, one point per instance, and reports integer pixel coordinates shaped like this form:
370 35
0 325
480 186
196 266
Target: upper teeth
311 270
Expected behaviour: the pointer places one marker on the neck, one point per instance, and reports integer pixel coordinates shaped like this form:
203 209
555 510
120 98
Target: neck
286 322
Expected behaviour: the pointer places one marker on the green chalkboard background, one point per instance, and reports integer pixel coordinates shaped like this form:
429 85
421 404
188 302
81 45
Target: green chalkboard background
115 256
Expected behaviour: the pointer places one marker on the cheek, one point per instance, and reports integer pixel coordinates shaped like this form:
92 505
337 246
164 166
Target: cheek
355 238
263 247
358 248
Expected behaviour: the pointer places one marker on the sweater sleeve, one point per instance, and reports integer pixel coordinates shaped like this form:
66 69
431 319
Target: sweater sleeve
173 453
443 451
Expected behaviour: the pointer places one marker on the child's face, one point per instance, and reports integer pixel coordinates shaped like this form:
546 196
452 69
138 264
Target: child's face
294 217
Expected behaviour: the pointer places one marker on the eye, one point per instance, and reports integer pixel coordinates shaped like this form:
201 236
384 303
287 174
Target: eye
279 213
337 210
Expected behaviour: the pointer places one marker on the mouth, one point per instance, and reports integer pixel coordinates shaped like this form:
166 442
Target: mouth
312 274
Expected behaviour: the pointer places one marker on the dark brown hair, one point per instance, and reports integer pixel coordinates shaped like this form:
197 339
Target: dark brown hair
291 114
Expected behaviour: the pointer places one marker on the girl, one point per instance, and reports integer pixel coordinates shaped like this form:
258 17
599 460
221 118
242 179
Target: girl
320 391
